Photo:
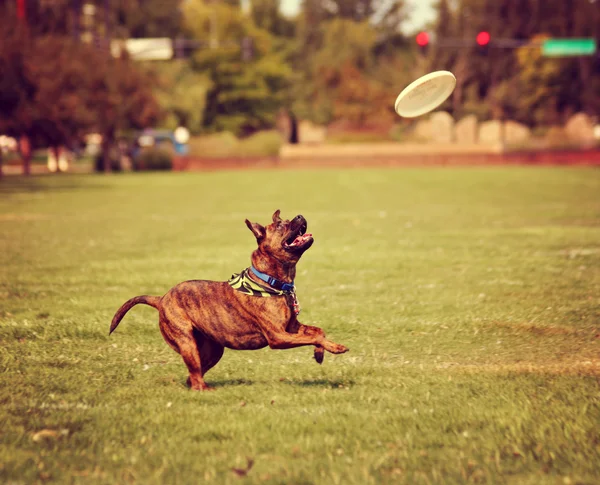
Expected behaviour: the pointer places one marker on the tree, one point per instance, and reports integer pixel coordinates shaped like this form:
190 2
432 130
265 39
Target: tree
248 85
333 60
385 15
43 91
181 93
50 97
360 101
361 38
266 15
443 29
537 85
121 100
148 18
490 85
43 18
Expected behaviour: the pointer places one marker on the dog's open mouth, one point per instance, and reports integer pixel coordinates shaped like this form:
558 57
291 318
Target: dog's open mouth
298 237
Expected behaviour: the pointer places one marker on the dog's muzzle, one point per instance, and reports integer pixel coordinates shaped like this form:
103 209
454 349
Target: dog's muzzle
298 237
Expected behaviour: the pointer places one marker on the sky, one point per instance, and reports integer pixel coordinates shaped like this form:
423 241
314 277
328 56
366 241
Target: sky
420 12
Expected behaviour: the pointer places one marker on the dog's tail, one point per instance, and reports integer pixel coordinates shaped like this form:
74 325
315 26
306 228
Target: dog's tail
153 301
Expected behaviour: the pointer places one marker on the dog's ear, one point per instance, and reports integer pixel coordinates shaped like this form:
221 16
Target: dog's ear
257 230
276 217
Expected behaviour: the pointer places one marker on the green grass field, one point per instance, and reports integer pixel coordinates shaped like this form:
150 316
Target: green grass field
469 298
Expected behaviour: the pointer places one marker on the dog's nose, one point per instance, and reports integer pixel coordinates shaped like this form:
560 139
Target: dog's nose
299 218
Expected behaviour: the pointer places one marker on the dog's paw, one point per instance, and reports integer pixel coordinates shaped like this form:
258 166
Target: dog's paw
337 348
319 354
342 349
202 388
198 386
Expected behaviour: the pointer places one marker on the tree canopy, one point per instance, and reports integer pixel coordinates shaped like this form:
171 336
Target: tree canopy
55 89
248 73
336 61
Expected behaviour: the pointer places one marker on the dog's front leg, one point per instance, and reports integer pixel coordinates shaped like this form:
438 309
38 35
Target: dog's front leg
319 353
280 339
309 330
295 327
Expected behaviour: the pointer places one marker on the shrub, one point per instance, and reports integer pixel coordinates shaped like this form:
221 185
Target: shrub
261 144
155 158
226 145
218 145
114 158
400 132
357 137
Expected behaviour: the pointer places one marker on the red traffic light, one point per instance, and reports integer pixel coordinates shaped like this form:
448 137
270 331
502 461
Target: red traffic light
483 38
422 39
21 9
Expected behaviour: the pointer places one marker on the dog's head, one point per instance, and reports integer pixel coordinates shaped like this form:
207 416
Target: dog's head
283 240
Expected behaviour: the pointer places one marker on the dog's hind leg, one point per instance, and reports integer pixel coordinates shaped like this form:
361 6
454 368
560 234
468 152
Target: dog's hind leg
180 338
192 360
210 351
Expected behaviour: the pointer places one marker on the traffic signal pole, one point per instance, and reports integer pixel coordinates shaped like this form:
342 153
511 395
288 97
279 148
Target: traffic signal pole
550 47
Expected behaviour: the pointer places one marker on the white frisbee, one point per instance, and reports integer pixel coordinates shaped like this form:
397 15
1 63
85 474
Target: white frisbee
425 94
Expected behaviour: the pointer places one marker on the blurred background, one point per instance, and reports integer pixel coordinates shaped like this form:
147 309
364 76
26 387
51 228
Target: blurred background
111 85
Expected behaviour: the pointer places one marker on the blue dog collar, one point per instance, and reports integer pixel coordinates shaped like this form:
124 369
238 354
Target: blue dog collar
280 285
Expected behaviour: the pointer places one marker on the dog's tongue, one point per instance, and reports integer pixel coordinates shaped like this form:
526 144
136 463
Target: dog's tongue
300 239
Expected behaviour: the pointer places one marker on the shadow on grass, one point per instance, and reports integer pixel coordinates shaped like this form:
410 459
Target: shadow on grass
326 383
224 383
322 383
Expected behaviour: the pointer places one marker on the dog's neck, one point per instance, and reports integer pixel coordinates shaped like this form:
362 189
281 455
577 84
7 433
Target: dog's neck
282 271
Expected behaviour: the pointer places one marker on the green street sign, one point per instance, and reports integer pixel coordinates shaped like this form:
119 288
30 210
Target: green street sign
568 47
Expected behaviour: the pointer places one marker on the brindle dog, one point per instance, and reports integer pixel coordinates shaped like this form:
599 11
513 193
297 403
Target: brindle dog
199 318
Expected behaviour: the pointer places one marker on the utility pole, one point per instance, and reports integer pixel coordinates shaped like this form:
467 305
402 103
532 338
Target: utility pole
107 25
76 12
214 41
